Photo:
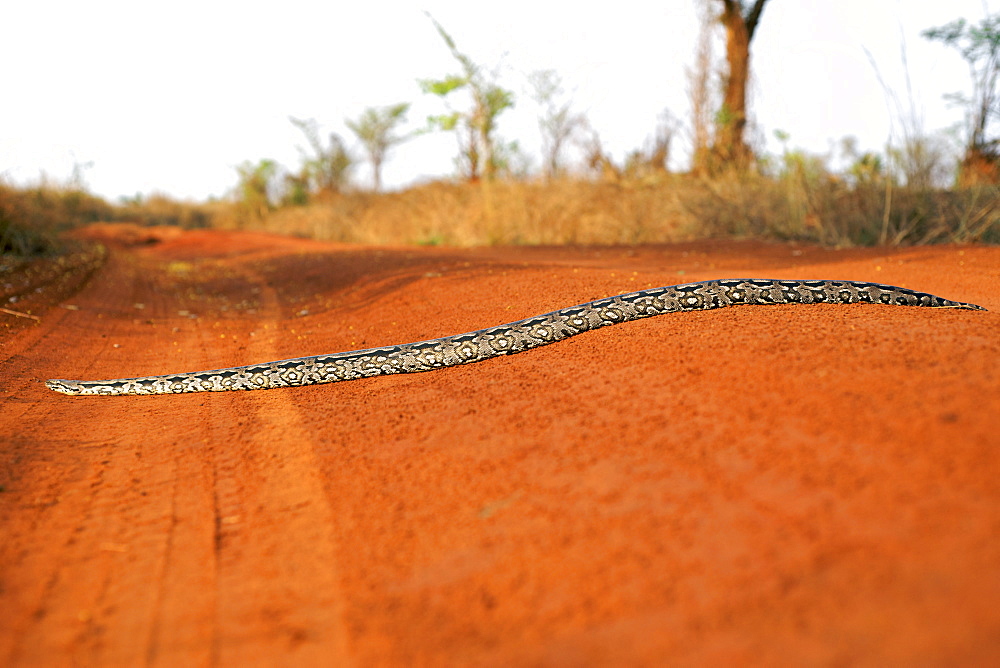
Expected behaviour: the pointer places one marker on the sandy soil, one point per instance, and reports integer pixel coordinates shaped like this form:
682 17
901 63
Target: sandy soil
778 485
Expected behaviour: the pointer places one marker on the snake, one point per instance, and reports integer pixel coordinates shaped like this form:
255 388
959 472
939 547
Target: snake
513 337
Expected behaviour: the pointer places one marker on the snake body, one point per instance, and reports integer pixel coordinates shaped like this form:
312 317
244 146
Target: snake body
512 337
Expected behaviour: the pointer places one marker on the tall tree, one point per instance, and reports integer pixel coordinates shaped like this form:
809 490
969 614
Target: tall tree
255 189
375 130
740 20
475 128
703 88
558 123
980 47
328 170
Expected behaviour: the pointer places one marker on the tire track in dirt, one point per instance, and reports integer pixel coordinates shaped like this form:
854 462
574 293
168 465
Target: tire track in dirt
83 538
145 535
270 481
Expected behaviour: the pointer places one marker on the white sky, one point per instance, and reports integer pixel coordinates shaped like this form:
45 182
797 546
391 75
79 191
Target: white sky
169 96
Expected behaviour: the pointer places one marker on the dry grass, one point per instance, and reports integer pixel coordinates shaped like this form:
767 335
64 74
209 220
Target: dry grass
161 210
661 209
32 218
819 208
501 212
827 211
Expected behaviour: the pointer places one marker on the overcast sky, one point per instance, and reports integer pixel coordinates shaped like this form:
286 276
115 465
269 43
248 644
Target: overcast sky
170 96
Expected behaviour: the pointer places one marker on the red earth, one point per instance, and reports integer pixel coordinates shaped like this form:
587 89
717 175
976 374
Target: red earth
778 485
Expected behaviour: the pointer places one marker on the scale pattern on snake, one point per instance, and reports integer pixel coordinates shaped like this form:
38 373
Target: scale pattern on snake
513 337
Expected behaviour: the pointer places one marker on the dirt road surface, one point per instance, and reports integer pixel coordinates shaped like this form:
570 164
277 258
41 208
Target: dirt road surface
779 485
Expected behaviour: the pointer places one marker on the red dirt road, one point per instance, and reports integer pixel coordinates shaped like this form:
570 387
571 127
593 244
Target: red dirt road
778 485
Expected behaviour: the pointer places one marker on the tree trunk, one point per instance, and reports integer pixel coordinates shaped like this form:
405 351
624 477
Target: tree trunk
377 173
730 145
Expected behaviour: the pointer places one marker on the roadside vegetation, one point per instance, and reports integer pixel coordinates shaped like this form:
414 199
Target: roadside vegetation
922 188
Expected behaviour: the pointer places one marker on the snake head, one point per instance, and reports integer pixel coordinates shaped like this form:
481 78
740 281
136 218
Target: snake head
64 386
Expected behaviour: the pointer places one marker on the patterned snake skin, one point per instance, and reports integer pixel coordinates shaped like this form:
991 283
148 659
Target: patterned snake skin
511 338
